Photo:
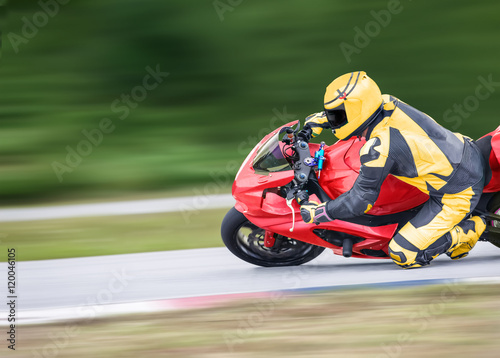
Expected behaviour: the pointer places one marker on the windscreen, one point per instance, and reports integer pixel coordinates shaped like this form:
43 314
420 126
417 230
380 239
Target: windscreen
270 158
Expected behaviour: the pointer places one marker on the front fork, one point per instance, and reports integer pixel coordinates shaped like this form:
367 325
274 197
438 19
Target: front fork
269 239
273 241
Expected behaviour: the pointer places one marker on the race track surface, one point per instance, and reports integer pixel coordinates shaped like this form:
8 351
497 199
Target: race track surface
188 273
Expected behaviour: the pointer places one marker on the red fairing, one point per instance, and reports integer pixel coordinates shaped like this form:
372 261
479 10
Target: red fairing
270 211
248 187
494 184
341 171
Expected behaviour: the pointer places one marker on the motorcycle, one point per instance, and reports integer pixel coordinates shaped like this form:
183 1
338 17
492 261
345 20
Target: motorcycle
265 227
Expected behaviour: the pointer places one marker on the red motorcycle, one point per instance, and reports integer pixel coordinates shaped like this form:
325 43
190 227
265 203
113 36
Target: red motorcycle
265 227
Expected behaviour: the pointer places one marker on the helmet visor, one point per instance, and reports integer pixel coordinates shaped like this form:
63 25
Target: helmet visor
336 117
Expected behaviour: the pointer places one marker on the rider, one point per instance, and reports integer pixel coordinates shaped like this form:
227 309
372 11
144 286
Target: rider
410 145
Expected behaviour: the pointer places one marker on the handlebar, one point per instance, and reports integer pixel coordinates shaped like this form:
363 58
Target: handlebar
305 134
299 140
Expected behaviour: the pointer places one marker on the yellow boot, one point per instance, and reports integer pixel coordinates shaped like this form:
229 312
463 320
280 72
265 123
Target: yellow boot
464 237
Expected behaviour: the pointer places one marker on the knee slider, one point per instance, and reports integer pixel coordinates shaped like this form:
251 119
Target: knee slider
401 256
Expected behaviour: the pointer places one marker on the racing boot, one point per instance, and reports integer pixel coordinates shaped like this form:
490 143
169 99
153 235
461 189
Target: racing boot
464 236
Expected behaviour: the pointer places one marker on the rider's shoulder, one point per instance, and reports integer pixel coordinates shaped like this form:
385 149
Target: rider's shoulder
390 102
381 130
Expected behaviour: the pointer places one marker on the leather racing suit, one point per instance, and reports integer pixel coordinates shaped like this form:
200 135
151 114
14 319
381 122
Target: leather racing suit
447 166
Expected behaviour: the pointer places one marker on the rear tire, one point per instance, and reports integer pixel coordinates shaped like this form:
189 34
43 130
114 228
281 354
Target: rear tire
246 241
494 207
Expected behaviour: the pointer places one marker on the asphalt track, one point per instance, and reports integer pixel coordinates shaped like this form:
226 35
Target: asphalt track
127 283
80 282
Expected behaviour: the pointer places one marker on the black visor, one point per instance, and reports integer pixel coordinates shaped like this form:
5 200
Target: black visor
336 117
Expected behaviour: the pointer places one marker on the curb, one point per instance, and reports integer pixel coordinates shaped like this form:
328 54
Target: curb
51 315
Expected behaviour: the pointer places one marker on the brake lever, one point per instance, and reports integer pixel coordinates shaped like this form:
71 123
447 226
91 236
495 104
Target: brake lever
290 195
289 204
301 196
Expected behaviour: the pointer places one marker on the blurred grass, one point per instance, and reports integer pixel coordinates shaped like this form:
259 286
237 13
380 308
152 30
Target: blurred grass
225 80
95 236
456 320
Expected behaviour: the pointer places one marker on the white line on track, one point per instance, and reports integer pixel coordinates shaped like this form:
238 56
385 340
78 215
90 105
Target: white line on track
151 206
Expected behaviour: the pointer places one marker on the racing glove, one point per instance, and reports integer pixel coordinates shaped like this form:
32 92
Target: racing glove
313 212
315 123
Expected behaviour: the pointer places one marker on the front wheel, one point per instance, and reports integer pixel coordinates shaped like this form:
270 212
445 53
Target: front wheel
246 241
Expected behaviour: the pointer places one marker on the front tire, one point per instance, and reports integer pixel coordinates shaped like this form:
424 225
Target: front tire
246 241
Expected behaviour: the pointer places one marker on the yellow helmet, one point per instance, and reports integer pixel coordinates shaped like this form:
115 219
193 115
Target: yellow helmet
352 102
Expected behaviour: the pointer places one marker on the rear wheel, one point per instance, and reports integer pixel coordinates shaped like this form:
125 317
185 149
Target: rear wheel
494 207
246 241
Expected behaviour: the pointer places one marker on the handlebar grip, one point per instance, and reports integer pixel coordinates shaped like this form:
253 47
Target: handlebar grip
302 197
305 134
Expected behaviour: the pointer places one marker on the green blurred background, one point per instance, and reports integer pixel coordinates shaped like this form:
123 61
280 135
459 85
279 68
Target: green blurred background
226 81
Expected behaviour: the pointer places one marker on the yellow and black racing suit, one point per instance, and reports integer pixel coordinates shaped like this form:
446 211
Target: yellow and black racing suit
448 166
